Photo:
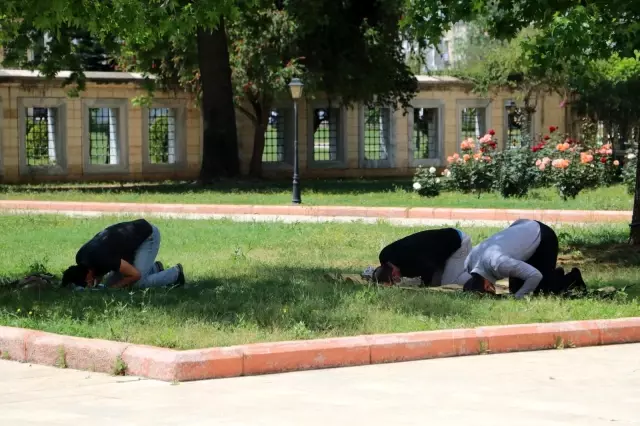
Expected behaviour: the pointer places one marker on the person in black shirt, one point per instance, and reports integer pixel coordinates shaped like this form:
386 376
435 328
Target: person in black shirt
126 252
436 256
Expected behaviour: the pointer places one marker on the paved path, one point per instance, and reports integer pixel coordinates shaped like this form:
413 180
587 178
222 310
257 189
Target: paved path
415 216
589 386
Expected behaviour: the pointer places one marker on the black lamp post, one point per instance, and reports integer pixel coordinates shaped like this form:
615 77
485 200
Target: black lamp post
295 86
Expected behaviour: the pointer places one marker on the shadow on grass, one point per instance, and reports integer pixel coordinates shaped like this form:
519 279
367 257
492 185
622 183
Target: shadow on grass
280 299
604 248
277 298
327 186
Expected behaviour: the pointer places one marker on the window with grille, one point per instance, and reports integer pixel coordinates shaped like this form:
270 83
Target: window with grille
162 135
274 137
326 137
104 148
517 127
425 133
377 133
473 123
41 136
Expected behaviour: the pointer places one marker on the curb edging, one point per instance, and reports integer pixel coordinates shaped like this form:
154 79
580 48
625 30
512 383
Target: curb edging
25 345
548 216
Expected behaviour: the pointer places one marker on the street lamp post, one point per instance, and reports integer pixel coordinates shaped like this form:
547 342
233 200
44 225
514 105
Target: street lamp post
295 87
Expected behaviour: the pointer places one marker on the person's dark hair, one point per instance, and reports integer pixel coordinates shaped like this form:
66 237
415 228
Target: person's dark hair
383 274
475 284
76 274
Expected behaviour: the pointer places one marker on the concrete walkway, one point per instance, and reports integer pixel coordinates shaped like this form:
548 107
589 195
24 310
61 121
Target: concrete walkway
590 386
401 216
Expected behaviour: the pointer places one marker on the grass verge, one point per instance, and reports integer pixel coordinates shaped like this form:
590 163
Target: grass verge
373 193
255 282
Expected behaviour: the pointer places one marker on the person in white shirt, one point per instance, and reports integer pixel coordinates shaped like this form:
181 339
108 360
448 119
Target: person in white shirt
526 253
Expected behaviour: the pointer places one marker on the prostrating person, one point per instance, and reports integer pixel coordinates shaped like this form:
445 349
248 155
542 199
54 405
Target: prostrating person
436 256
124 253
527 254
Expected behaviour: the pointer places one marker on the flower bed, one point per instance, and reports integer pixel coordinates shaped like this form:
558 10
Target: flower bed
556 160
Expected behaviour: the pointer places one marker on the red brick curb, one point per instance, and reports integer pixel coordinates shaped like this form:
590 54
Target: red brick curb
550 216
263 358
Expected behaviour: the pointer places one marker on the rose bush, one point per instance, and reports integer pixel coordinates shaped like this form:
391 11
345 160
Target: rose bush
629 170
555 160
473 170
571 166
426 183
515 176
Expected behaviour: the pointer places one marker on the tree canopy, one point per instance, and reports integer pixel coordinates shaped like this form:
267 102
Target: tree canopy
242 50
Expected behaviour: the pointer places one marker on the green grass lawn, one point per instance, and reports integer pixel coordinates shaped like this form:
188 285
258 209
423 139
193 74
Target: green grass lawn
253 282
356 192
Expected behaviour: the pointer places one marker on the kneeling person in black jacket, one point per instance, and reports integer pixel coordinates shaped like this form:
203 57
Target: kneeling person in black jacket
127 253
436 256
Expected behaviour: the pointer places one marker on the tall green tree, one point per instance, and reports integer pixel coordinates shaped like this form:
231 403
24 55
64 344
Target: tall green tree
349 51
151 24
493 64
578 38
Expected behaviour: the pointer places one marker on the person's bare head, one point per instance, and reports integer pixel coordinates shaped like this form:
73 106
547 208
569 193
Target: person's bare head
479 284
78 275
386 273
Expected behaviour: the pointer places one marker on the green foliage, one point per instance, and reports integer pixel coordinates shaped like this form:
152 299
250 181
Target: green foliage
515 174
630 169
567 180
278 290
37 141
426 182
473 171
159 140
263 56
492 65
66 48
607 91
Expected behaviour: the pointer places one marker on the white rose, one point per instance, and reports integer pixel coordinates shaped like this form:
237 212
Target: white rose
447 173
432 170
437 180
417 186
631 156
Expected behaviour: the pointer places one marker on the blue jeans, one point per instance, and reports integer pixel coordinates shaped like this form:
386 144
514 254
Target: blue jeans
144 261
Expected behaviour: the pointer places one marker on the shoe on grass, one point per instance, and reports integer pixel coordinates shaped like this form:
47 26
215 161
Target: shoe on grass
181 280
159 266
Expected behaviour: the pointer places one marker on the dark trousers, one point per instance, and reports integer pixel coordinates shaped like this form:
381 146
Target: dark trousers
544 259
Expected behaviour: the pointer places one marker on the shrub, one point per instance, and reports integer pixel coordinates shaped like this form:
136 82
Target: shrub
459 173
159 140
37 141
565 174
609 166
426 183
515 174
473 171
629 170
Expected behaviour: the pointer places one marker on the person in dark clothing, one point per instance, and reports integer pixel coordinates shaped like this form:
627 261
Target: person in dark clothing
527 254
125 253
436 256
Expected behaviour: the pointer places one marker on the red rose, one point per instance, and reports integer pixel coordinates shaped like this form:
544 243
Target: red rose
492 132
535 149
603 160
547 137
552 129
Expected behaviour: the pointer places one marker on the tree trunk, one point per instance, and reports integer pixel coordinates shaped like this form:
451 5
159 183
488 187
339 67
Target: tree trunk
220 137
260 127
634 237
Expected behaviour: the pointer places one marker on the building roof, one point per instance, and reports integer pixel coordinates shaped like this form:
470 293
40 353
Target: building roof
118 77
